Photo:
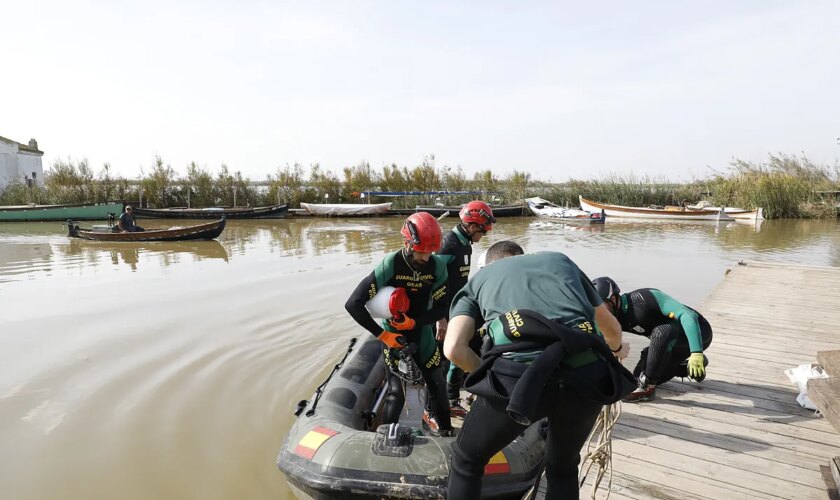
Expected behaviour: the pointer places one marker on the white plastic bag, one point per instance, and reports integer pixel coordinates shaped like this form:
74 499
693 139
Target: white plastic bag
378 306
800 376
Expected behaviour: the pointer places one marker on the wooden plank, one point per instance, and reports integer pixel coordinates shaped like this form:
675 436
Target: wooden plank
684 422
712 475
781 430
830 361
766 475
825 394
654 480
768 413
775 350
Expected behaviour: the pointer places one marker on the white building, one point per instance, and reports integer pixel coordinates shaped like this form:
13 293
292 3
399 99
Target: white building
20 163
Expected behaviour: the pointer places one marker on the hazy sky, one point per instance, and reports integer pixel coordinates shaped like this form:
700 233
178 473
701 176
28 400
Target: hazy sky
557 89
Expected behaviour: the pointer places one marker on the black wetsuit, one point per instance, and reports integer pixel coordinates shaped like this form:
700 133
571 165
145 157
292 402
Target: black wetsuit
426 289
675 331
457 248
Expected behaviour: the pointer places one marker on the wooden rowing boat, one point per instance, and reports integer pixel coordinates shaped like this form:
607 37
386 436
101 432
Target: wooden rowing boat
544 208
498 210
677 213
269 212
206 231
735 213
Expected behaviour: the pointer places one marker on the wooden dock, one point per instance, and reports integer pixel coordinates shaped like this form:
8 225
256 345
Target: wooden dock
740 434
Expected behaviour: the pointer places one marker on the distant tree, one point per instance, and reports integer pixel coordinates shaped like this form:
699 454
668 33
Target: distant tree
425 177
453 180
517 185
328 188
69 182
395 178
224 188
485 181
287 186
159 186
199 183
360 178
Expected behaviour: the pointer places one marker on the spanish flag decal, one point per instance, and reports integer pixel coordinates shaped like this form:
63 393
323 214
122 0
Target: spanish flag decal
498 465
312 441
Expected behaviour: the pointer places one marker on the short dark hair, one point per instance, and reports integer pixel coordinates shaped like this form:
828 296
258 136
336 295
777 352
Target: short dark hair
502 249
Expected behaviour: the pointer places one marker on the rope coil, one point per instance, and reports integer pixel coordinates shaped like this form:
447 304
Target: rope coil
600 452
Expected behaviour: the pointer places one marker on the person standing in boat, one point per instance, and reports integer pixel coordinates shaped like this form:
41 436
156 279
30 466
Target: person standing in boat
126 222
678 335
541 357
476 221
423 276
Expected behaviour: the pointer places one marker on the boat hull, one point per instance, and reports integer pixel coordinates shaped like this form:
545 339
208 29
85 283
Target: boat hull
271 212
332 452
207 231
345 209
498 211
42 213
546 209
652 213
741 214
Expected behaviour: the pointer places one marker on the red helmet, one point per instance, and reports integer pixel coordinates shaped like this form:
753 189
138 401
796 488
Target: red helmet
398 303
422 232
478 212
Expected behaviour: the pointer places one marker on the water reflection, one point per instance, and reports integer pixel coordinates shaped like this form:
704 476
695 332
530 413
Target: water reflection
124 253
758 236
779 234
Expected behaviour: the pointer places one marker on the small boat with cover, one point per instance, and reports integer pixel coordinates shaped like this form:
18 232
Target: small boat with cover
545 208
103 232
354 440
346 209
270 212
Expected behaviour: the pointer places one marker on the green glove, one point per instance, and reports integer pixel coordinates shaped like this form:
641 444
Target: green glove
696 370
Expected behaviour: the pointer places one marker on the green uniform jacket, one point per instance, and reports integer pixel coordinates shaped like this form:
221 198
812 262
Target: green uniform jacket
549 283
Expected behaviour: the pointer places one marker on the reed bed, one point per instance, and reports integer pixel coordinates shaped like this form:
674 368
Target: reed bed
785 186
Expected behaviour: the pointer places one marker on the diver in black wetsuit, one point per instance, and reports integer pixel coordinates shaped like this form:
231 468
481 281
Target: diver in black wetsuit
476 220
423 276
678 335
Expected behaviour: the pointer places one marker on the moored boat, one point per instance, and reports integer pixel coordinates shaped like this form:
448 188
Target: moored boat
544 208
498 210
351 441
206 231
269 212
735 213
77 211
345 209
677 213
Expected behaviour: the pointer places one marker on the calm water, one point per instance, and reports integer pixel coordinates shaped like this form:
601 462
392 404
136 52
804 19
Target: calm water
169 371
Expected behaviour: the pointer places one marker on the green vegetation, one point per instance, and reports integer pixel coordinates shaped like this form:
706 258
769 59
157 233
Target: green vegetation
786 186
